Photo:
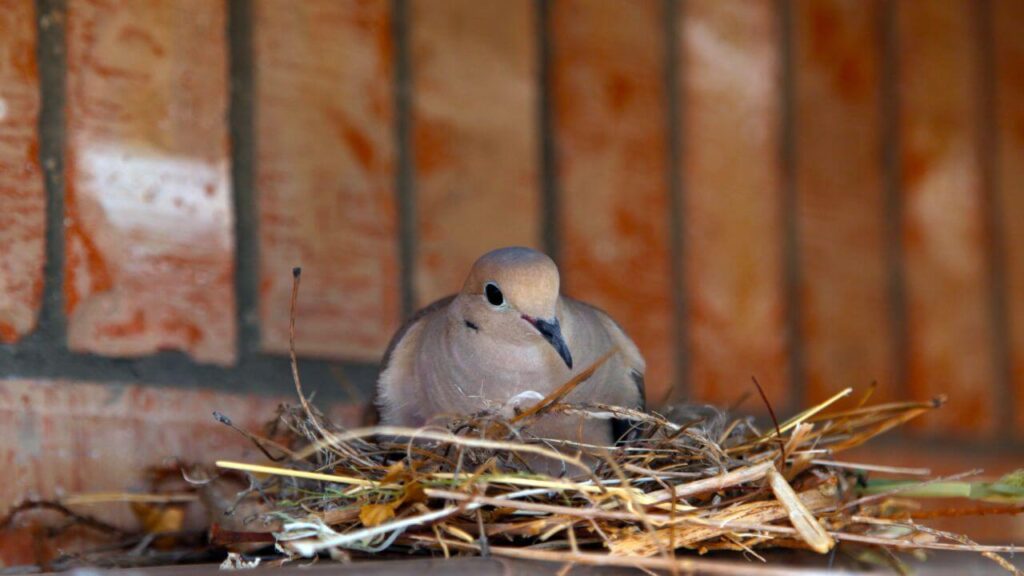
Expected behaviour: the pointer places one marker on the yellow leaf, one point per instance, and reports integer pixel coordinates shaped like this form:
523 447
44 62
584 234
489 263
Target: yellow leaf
395 472
157 519
413 493
376 514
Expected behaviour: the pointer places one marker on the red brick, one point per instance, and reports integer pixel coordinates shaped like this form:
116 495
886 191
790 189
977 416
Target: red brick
949 326
22 199
610 116
732 204
59 438
1009 44
325 174
474 134
845 311
148 203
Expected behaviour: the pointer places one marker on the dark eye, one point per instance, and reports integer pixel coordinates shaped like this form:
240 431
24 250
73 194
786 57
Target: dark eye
494 296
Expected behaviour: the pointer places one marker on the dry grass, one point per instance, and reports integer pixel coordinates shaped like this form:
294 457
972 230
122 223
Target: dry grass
673 486
465 486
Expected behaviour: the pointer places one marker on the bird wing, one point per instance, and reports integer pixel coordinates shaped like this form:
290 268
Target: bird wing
400 333
397 391
628 351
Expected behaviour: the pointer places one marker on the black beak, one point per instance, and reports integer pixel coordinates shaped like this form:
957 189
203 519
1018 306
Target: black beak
552 332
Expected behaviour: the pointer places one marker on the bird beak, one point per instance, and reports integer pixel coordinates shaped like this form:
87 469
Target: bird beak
552 332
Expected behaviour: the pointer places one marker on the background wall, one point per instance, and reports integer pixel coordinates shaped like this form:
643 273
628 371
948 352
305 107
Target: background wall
821 193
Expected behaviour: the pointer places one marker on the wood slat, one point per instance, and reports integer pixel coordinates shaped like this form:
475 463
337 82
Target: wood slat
325 174
474 135
732 205
610 117
949 330
848 336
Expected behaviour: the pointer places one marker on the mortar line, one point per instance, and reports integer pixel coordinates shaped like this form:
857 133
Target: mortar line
241 120
674 11
51 51
548 173
262 375
405 170
790 208
889 117
988 153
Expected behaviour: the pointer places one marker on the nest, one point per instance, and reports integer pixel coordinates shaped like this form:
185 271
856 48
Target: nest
700 480
466 486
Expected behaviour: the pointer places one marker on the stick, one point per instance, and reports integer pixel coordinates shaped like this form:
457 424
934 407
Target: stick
714 484
807 526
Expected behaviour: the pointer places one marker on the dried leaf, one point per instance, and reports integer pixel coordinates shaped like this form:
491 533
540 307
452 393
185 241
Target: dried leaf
376 514
395 472
159 519
413 493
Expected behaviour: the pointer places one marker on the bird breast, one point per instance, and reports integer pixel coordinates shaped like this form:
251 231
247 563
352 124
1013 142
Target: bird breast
484 373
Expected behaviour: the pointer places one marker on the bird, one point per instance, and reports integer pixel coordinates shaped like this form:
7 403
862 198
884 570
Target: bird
507 340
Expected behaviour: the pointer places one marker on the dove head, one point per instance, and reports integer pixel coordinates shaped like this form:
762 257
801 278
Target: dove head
513 292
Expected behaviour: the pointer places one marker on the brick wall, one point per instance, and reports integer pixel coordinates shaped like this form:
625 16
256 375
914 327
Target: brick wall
819 193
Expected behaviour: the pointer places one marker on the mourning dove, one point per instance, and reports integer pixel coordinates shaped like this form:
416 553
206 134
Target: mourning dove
506 341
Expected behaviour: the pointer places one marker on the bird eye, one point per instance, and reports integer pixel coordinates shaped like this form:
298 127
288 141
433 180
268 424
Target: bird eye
493 294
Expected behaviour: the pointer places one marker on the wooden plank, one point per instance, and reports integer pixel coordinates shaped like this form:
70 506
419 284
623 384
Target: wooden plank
148 218
1008 27
732 200
475 135
22 198
950 336
847 332
325 175
610 118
